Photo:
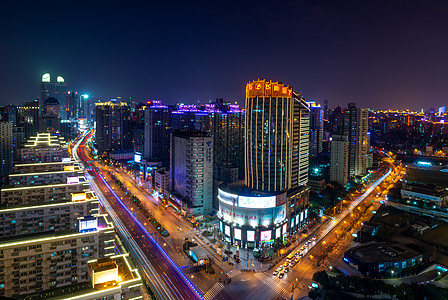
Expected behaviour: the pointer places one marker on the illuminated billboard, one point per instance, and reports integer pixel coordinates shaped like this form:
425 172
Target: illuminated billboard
237 234
88 224
66 159
266 236
227 197
284 229
256 202
76 197
250 236
69 168
72 180
137 157
227 230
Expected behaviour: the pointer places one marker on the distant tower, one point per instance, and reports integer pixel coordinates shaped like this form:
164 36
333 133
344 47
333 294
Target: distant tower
56 90
339 159
356 128
5 150
46 89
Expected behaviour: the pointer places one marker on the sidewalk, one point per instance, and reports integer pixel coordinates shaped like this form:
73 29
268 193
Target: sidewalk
247 260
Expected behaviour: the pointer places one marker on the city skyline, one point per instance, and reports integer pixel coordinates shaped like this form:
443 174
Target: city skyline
349 52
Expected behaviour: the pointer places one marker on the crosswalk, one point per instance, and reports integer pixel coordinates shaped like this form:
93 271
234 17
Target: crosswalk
272 282
213 291
233 273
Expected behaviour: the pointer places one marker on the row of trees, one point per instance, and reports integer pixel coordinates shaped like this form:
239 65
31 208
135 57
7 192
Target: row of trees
334 287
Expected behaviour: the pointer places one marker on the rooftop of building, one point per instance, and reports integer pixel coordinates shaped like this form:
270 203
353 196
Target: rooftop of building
128 276
381 252
238 188
45 140
427 177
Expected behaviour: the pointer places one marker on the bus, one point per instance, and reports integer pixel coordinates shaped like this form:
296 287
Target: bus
290 257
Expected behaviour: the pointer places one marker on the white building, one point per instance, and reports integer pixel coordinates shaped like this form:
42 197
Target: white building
162 180
339 163
192 170
41 193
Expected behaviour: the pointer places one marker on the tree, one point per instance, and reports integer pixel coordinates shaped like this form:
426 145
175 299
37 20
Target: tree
321 277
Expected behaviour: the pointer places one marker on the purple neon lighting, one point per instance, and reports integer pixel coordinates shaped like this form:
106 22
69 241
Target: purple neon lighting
151 238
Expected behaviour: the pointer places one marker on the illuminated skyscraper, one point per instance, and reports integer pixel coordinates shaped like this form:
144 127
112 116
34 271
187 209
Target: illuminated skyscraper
356 128
316 128
157 130
56 89
5 150
273 202
113 124
28 116
277 137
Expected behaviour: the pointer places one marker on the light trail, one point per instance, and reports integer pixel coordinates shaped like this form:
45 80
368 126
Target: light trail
123 230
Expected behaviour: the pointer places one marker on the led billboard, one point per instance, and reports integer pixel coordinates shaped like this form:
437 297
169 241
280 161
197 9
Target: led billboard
265 236
256 202
237 234
250 236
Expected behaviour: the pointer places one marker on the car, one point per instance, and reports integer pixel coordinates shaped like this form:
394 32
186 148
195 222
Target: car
286 270
298 252
286 264
314 238
302 248
297 259
301 255
280 268
281 274
275 273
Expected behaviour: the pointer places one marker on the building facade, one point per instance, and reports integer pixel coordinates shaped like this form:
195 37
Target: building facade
316 128
192 169
157 130
339 159
272 203
43 148
277 137
6 154
113 124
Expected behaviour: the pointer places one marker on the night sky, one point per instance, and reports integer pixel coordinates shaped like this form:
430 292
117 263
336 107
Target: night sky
379 54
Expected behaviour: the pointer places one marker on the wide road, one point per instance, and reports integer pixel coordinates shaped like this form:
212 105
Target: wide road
165 277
